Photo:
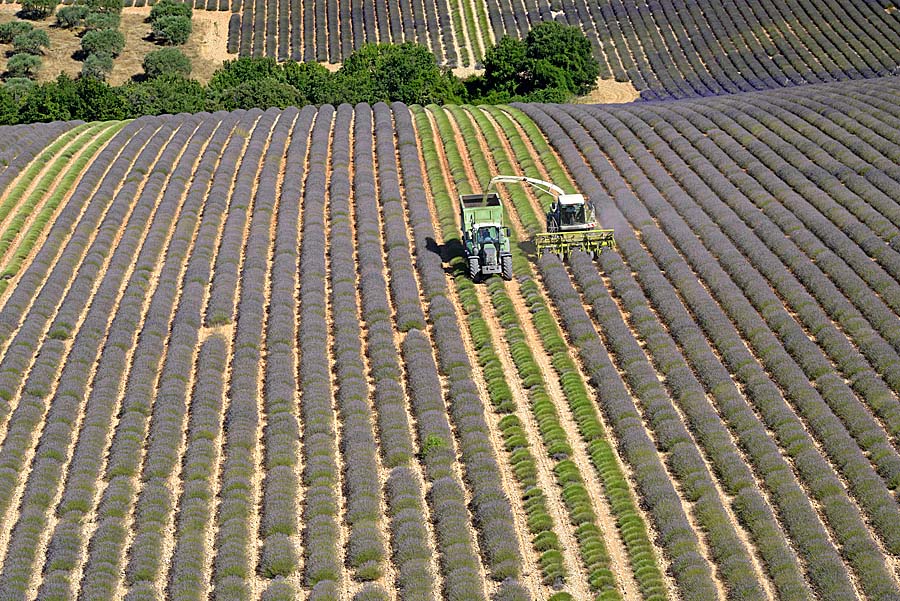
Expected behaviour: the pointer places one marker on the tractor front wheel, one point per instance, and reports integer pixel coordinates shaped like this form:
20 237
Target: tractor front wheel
474 269
506 267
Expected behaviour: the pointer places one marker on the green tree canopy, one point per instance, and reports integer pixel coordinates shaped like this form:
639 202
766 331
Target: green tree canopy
97 66
267 92
23 65
107 41
8 31
71 16
395 72
166 61
171 8
171 30
565 48
31 42
235 72
314 82
38 9
166 94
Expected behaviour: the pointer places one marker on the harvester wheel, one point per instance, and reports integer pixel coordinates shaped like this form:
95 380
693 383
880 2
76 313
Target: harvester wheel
507 268
474 269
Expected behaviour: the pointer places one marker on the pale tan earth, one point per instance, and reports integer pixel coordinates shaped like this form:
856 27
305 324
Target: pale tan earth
207 46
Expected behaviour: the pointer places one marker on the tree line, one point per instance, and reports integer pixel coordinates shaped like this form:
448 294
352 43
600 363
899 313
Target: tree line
553 63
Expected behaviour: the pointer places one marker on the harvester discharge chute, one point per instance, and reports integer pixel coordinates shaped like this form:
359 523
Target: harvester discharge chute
571 222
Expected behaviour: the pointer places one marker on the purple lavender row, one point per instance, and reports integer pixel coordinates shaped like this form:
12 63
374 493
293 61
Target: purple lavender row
365 546
156 501
691 570
103 569
843 205
404 290
801 199
799 353
381 350
823 484
34 403
409 536
678 539
188 576
280 510
24 143
83 473
870 492
220 309
738 216
749 505
836 344
491 508
323 567
458 560
762 212
96 332
46 295
236 557
185 285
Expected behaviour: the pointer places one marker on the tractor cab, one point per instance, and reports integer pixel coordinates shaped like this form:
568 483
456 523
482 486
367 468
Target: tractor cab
570 213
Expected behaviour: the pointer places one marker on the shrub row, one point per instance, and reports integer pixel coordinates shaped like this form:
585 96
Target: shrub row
395 434
232 244
63 408
402 280
593 549
809 463
794 380
189 575
280 510
365 547
235 540
321 514
491 509
797 268
691 571
540 522
403 491
105 569
811 359
459 563
84 472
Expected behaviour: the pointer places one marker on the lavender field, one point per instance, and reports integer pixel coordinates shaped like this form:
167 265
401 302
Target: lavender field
239 358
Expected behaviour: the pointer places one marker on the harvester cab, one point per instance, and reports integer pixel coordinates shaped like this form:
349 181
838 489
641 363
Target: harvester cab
485 238
571 222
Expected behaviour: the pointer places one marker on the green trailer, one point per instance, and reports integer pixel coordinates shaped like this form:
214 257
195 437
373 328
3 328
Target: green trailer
485 238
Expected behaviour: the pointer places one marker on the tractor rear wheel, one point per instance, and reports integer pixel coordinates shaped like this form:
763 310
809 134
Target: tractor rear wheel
506 267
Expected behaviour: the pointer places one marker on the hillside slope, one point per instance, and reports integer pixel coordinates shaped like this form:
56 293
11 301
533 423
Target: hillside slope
238 358
665 48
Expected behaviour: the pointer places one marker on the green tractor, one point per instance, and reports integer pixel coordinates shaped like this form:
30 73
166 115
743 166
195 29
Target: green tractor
485 238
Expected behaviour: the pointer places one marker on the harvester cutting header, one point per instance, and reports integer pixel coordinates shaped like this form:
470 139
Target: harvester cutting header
571 225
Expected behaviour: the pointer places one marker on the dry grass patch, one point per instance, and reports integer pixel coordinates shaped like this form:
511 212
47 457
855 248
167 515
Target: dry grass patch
206 47
609 91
